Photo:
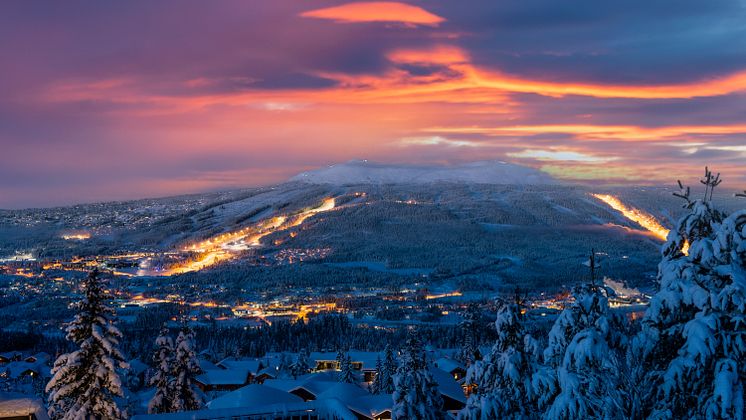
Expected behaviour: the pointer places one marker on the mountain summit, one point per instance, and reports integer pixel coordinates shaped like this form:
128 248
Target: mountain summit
367 172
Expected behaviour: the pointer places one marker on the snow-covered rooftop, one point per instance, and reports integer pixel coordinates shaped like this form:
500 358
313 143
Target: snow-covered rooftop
223 377
253 396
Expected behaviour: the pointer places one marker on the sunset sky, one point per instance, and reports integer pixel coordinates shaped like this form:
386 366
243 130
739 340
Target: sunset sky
117 100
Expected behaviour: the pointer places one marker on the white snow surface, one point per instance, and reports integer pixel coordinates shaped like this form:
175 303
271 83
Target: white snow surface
367 172
253 396
12 405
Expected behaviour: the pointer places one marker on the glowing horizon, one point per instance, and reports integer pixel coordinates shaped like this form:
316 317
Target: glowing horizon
146 99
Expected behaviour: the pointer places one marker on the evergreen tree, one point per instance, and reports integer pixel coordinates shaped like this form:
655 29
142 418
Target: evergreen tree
375 386
85 382
186 367
300 366
340 358
416 394
469 352
502 381
346 374
693 340
390 367
162 380
580 348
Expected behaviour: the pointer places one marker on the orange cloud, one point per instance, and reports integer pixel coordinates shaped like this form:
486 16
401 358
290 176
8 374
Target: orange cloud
712 87
383 11
439 54
598 132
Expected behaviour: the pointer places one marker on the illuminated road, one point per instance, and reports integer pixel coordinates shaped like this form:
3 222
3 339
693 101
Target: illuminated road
638 216
227 246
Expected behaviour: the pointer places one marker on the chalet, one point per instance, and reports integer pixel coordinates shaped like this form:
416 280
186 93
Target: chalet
23 369
264 374
223 379
314 396
362 362
11 356
453 395
38 358
456 369
311 390
308 387
372 407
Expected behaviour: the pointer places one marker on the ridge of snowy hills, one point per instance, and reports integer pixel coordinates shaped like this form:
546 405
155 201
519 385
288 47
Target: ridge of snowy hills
483 172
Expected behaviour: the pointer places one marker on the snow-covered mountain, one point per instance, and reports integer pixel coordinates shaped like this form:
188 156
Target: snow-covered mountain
367 172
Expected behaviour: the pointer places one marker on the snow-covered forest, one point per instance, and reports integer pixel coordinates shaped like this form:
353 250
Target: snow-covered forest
683 358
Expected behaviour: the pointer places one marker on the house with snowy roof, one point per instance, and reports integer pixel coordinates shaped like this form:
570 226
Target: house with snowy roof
24 369
453 395
40 357
253 395
454 367
362 361
270 372
223 379
10 356
372 407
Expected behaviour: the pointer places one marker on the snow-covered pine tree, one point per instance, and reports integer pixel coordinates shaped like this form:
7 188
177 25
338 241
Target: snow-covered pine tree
186 367
693 331
162 379
301 365
346 374
580 348
502 380
85 382
390 366
469 352
375 386
416 394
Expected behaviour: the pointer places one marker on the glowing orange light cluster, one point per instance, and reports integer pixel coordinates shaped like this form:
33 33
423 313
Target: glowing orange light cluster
443 295
636 215
76 236
640 217
221 247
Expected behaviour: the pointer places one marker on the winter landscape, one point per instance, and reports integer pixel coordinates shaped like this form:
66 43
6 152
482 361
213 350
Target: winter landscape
372 210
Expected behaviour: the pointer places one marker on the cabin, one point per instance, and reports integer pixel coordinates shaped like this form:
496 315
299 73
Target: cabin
456 369
363 362
265 374
11 356
38 358
454 398
223 379
25 370
372 407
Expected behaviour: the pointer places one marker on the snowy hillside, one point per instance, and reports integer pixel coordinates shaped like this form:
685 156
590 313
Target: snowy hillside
366 172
